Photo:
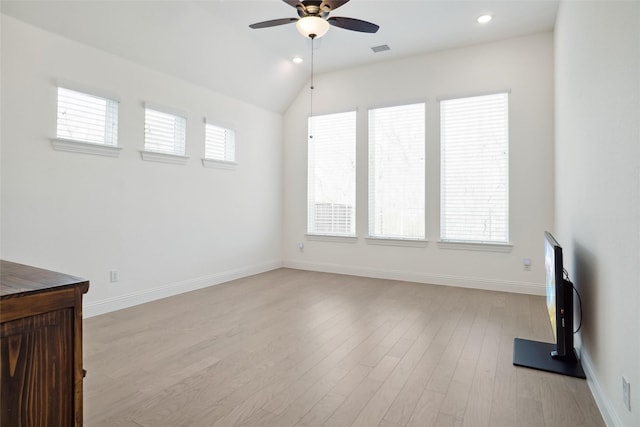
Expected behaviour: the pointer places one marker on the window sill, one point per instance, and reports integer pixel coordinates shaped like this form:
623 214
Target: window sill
154 156
476 246
219 164
335 238
73 146
384 241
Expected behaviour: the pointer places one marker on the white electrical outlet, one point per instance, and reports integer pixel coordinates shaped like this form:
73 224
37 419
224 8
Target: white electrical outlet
526 262
626 393
301 246
114 276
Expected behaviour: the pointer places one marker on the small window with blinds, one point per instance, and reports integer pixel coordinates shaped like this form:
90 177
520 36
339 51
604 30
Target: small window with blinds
474 181
331 192
86 118
220 143
164 132
397 172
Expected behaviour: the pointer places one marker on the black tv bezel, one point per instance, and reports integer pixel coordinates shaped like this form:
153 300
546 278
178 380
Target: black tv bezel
564 303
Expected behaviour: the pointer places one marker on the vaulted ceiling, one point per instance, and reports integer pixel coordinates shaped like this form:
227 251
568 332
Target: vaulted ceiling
209 43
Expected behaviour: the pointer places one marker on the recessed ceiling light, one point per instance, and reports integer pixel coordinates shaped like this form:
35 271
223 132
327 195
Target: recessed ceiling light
484 19
297 60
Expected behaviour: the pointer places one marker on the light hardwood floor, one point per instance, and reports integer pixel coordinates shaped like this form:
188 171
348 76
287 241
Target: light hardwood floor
297 348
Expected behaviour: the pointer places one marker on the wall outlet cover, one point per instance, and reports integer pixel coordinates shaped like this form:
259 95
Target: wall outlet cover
114 276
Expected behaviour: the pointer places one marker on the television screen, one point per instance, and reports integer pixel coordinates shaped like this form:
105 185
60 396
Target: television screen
550 267
559 298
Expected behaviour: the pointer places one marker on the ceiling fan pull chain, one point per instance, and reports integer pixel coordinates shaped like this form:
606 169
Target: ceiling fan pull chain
312 37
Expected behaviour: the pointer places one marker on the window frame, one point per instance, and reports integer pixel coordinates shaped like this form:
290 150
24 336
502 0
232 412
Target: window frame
217 163
165 156
395 239
447 242
312 228
87 146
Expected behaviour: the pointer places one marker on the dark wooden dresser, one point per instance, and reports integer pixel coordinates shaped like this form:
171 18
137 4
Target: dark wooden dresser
41 346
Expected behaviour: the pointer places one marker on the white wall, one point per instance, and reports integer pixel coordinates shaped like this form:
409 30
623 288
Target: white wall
598 189
165 228
522 65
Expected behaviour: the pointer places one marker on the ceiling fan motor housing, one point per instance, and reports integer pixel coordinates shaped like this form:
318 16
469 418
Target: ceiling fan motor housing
318 10
313 8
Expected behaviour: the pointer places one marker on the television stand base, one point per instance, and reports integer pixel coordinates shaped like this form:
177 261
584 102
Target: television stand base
537 355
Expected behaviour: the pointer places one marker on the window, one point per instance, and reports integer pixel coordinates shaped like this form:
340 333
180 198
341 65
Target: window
332 174
397 172
220 143
87 118
164 133
474 169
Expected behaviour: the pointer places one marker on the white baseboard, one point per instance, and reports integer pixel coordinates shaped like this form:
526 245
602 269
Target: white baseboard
607 411
140 297
411 276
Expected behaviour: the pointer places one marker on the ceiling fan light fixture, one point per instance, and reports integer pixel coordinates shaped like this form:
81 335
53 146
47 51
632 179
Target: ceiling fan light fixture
312 26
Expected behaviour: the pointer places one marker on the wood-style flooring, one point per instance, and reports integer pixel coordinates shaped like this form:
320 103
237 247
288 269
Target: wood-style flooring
298 348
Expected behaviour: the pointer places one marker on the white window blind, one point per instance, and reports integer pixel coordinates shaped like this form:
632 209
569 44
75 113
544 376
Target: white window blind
474 169
87 118
332 174
164 132
220 143
397 171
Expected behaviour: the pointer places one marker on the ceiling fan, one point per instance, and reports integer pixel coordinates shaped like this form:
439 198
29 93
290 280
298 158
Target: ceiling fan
314 18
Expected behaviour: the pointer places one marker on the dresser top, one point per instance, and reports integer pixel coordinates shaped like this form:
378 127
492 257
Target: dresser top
18 279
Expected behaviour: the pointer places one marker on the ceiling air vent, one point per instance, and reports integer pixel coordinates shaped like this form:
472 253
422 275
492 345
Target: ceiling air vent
381 48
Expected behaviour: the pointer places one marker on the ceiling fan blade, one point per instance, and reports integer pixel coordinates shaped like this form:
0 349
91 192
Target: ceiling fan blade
353 24
273 23
333 4
293 3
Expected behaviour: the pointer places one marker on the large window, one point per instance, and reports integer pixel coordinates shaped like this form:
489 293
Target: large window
474 169
397 172
331 191
87 118
164 132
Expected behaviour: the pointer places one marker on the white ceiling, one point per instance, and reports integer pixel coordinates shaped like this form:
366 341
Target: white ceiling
209 43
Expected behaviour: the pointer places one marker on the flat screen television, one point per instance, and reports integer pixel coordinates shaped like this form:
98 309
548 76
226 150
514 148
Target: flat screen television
559 298
558 356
